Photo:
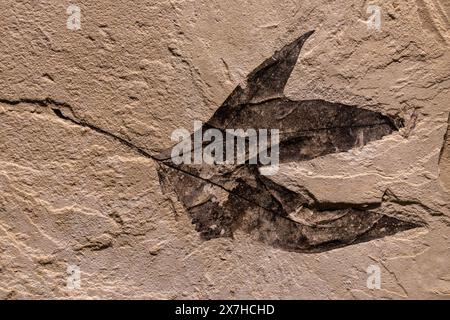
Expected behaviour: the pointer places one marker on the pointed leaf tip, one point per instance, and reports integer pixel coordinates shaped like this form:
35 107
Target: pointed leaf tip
270 77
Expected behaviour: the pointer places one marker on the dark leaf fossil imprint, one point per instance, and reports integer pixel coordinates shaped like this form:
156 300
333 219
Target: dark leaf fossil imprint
223 199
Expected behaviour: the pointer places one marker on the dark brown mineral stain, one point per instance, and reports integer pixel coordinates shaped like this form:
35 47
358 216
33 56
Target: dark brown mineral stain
224 198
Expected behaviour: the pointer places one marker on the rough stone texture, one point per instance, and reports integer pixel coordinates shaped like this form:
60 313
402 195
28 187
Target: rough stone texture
84 113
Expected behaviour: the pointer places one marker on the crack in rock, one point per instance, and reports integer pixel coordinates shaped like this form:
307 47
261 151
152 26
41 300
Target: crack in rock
57 107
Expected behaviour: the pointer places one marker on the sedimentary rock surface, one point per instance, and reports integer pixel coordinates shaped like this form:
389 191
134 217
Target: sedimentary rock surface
92 206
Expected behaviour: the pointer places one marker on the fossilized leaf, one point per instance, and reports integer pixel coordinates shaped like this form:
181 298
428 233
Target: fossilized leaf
224 198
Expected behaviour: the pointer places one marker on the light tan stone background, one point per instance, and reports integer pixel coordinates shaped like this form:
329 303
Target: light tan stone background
70 195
